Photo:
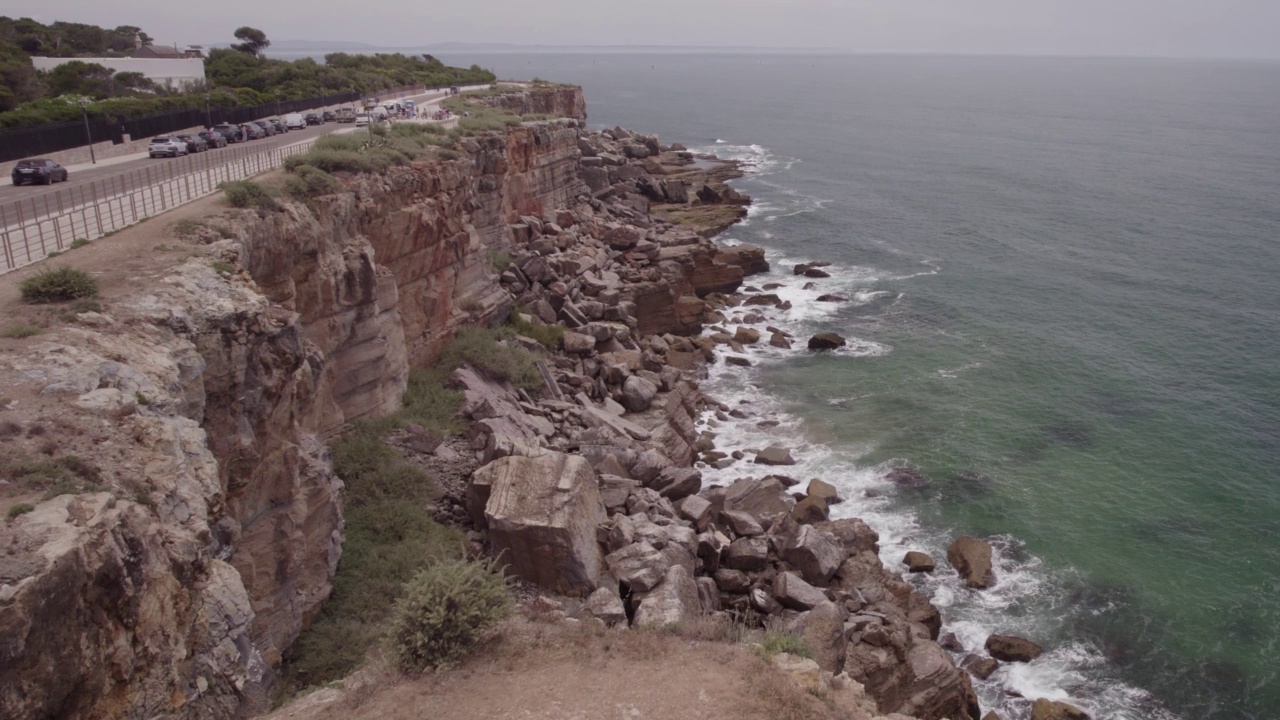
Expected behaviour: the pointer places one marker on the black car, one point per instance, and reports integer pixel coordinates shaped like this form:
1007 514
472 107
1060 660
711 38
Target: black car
42 172
328 116
314 119
213 139
232 133
279 125
266 126
195 143
253 131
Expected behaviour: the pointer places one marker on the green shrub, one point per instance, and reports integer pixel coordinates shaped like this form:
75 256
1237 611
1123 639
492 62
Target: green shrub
19 509
480 348
776 642
248 194
79 243
309 181
430 403
501 261
20 331
187 228
58 284
445 611
550 336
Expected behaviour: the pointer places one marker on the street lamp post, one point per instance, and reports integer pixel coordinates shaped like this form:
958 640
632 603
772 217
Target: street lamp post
208 116
83 102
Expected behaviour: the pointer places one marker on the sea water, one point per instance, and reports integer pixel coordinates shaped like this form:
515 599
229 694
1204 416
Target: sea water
1063 283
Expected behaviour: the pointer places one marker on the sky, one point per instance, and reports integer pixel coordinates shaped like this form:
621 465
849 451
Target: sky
1152 28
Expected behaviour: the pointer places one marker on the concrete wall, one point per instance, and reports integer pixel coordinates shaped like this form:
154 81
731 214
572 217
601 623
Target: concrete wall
171 73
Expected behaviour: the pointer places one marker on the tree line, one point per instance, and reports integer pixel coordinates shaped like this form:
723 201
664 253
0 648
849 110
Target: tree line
237 76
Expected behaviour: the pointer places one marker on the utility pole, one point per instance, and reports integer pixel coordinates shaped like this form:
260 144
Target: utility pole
208 116
83 102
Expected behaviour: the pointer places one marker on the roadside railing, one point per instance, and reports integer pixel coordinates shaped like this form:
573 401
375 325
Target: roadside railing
31 229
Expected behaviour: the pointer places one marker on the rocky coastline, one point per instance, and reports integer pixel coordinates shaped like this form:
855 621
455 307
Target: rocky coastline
187 582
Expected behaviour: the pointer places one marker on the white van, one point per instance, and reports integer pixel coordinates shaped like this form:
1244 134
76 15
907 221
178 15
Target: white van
378 113
295 121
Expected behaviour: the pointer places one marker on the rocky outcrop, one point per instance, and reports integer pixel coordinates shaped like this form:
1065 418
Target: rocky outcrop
1011 648
972 559
1053 710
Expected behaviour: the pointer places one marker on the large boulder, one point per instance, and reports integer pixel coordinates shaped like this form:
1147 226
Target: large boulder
638 394
1011 648
971 558
674 601
747 554
760 498
640 565
1054 710
542 515
605 605
794 593
814 553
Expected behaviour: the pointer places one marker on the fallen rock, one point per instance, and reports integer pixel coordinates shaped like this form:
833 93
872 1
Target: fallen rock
542 515
748 554
811 510
826 341
759 497
814 553
824 490
779 340
775 455
794 593
746 335
674 601
741 523
832 298
696 510
1011 648
1054 710
918 562
605 605
638 394
640 565
822 630
971 558
737 360
577 343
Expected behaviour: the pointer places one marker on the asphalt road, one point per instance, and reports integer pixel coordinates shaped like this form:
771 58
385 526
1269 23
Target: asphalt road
34 196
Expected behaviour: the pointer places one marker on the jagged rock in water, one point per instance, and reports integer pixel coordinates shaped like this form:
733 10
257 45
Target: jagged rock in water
972 559
1053 710
1011 648
826 341
917 561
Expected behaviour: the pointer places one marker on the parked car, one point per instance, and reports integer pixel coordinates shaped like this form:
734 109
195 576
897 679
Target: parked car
232 133
313 119
362 119
278 124
328 116
346 115
42 172
195 143
213 139
294 121
165 145
253 131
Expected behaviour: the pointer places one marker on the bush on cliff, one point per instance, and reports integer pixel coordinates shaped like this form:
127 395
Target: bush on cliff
444 612
309 181
484 349
248 194
57 285
390 536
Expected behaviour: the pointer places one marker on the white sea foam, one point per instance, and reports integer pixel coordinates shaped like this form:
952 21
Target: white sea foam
1023 600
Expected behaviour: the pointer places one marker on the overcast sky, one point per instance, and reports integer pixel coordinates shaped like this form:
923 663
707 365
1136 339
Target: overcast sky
1179 28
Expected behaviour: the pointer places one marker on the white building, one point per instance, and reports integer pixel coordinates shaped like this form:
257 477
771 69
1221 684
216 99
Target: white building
175 74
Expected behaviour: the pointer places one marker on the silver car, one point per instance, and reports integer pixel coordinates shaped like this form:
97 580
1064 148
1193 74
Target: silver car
166 146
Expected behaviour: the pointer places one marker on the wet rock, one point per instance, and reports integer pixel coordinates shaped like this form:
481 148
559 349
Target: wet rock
905 477
832 298
1053 710
824 490
826 341
972 559
992 715
779 340
854 534
917 562
951 642
746 335
1011 648
980 667
737 360
811 510
775 455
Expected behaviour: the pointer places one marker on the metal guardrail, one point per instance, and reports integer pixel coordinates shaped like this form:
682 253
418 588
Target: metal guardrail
31 229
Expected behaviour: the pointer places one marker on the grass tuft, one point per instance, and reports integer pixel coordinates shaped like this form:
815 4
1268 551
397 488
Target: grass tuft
57 285
248 194
21 330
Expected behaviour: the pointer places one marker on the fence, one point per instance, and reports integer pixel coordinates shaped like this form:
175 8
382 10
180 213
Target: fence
31 229
45 139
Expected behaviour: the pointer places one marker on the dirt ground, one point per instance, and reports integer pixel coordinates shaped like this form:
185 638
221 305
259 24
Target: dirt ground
570 671
37 428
